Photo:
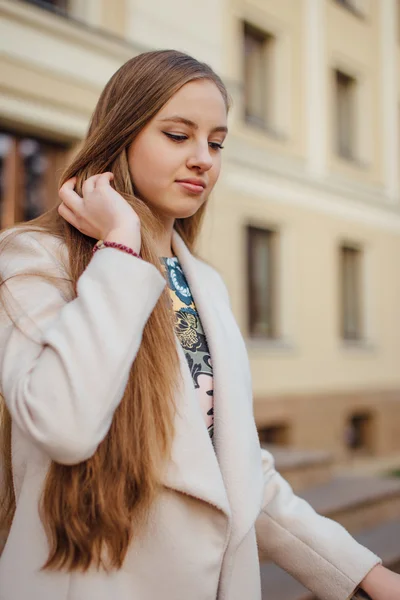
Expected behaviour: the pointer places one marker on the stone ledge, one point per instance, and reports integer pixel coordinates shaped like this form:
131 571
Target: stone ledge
345 493
302 468
289 458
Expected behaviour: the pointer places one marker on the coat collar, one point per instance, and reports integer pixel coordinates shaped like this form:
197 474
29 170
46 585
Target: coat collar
231 476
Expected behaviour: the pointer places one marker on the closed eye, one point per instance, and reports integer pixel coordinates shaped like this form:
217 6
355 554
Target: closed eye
181 138
175 137
215 146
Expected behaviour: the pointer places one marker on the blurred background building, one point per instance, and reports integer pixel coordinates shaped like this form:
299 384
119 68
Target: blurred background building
304 224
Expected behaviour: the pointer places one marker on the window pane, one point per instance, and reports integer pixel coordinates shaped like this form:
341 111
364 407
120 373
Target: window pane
398 20
54 5
29 170
277 435
347 3
351 293
35 164
258 74
5 149
254 77
358 433
345 114
261 282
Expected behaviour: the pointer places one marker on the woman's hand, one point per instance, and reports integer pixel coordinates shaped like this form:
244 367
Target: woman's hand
102 213
382 584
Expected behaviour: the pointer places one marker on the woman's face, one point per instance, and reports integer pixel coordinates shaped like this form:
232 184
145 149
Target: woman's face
176 159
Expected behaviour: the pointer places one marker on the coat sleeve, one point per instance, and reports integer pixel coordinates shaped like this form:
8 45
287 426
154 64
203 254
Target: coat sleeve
64 363
315 550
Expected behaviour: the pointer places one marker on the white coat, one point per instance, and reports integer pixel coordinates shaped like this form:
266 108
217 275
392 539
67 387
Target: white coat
62 390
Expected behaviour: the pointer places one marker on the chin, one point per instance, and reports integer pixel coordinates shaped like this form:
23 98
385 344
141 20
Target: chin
184 210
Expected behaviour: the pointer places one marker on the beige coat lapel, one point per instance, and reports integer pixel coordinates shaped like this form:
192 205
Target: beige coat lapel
235 436
194 468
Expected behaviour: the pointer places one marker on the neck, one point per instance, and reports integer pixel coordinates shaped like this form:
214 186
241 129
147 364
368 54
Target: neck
164 240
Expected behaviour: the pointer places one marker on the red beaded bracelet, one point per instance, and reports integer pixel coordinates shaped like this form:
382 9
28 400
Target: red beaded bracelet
104 244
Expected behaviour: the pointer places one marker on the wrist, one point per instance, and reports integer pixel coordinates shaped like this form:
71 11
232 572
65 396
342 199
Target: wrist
373 580
382 584
128 236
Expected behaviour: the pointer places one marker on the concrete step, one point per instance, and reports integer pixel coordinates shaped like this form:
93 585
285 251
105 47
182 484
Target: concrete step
370 465
302 468
383 540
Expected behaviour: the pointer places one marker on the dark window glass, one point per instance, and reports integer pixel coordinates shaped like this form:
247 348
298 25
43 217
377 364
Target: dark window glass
345 115
358 436
34 163
351 292
29 172
275 435
258 75
357 7
59 6
262 282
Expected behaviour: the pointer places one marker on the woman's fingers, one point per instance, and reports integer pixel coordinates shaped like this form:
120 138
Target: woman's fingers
104 179
89 184
67 214
68 195
69 184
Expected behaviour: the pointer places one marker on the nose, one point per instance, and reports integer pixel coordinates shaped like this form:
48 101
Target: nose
201 158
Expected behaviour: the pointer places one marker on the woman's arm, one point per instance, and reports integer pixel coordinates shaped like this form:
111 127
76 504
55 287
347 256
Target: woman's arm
315 550
380 584
64 374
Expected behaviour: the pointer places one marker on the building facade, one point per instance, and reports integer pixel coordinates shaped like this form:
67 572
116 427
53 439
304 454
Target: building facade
310 197
304 225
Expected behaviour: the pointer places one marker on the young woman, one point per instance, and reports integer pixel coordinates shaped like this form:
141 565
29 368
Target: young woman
131 464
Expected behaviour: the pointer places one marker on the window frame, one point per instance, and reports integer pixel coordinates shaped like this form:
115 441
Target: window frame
275 434
350 6
267 40
359 330
361 424
271 236
12 202
54 8
345 149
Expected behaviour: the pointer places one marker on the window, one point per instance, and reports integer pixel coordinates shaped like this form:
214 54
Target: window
351 292
262 315
258 76
358 434
359 7
345 90
346 3
59 6
397 8
276 435
29 172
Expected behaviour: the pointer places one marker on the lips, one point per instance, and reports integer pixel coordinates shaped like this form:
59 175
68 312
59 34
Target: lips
196 186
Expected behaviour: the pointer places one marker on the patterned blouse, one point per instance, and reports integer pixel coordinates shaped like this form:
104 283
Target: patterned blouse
190 333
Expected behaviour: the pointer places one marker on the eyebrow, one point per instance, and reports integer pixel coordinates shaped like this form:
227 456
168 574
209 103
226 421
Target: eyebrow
192 124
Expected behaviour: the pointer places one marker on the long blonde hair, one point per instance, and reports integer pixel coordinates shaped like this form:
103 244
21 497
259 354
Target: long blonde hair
95 508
